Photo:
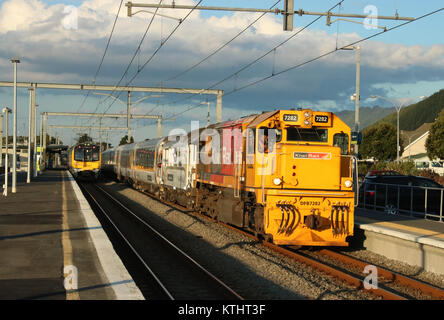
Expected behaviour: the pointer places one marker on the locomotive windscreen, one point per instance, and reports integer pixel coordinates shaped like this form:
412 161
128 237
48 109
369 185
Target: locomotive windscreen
86 153
309 135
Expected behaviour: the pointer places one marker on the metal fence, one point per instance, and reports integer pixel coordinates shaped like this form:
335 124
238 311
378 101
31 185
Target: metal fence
424 202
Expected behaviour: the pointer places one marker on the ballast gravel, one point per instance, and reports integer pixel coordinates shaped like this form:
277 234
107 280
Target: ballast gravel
252 270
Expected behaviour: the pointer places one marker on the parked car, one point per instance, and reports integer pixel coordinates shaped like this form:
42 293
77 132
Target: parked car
396 193
375 173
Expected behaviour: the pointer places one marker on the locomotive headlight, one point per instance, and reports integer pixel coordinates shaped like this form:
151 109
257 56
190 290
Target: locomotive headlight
348 183
277 181
307 114
307 122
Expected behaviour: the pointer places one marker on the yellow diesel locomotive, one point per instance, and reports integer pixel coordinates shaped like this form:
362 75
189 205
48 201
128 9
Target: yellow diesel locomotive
287 175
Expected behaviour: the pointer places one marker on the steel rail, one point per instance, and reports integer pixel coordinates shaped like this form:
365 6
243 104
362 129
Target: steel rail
434 292
354 281
162 286
184 254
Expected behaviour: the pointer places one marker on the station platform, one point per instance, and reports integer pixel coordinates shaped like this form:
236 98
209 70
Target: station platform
53 247
415 241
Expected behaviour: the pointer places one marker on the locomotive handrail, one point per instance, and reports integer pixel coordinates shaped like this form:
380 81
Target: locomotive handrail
356 181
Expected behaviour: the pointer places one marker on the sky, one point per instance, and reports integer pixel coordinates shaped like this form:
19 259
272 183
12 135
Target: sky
64 41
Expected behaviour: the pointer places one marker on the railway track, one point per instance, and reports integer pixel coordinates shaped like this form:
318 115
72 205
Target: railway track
386 276
162 270
391 285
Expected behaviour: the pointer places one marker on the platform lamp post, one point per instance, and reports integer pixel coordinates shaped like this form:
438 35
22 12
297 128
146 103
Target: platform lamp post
14 139
6 111
356 96
398 109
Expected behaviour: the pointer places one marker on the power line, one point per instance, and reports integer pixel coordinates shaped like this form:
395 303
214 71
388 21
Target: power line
103 56
262 56
132 59
102 100
333 51
211 55
315 58
155 52
221 47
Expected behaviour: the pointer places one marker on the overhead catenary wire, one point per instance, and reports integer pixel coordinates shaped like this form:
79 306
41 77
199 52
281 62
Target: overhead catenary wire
130 63
314 59
221 47
211 55
103 56
236 73
154 54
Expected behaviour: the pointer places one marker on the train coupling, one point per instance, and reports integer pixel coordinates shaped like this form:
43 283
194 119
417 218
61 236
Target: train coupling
289 212
339 220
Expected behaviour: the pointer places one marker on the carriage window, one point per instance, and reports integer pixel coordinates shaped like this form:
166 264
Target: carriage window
341 140
309 135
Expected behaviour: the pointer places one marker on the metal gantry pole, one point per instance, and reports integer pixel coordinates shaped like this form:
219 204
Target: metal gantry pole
14 139
128 107
45 118
159 127
1 140
41 142
397 134
219 108
5 191
35 137
28 175
358 76
33 145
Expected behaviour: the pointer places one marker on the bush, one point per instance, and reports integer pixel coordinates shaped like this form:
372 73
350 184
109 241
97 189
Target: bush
428 173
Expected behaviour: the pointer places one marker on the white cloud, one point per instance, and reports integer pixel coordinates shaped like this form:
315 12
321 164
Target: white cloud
34 31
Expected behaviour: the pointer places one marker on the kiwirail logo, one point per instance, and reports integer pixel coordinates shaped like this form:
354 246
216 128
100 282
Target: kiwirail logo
223 146
70 19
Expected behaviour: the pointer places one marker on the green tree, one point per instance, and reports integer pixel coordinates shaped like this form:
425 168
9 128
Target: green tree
124 140
84 138
379 142
435 141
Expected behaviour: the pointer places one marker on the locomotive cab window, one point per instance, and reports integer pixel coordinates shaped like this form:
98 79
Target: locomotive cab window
95 154
307 134
78 154
341 140
267 138
251 133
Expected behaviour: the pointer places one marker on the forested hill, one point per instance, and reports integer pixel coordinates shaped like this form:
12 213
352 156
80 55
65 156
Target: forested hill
415 115
367 115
